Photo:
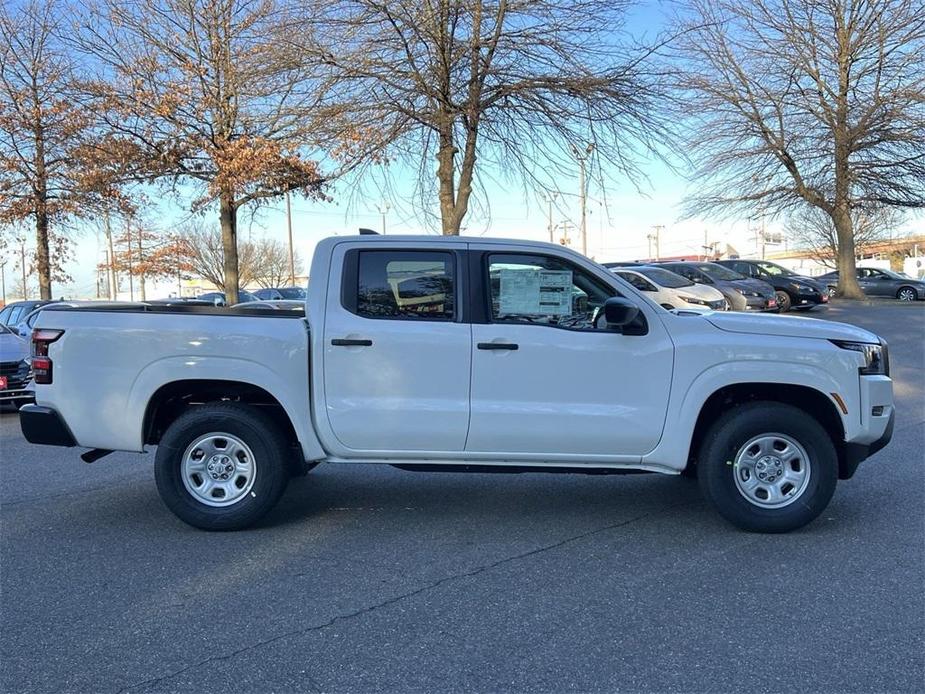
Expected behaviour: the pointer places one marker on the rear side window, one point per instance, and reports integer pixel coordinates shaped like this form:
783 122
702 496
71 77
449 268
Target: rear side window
418 285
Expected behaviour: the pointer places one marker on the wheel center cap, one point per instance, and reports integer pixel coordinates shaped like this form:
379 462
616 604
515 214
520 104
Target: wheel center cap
769 468
220 467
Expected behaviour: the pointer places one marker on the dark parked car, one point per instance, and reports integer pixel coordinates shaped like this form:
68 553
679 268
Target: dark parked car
793 290
277 293
13 313
27 320
15 370
877 282
218 298
742 293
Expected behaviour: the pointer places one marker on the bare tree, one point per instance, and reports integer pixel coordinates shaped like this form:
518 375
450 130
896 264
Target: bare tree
203 253
271 263
514 85
796 102
813 229
47 171
202 90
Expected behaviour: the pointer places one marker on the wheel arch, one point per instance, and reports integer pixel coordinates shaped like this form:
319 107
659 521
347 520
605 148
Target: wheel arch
806 398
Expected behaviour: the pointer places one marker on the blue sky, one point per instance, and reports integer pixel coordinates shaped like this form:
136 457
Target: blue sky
619 218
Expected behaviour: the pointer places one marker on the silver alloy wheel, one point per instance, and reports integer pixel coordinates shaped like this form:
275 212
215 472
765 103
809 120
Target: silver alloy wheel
772 470
218 469
906 294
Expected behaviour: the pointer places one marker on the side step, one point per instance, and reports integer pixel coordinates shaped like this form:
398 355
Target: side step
517 469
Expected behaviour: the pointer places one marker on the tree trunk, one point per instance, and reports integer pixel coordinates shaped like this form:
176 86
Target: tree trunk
42 255
446 176
228 215
848 287
454 203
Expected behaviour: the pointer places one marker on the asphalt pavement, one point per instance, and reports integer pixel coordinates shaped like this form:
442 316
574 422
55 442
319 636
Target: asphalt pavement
367 578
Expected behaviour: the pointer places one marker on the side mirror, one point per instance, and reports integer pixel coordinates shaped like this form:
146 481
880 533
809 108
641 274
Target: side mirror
23 330
619 312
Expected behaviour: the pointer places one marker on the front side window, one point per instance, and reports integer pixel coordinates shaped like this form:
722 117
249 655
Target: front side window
773 269
405 284
641 283
544 290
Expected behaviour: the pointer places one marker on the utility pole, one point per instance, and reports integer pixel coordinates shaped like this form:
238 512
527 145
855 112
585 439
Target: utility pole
22 264
113 278
384 208
141 271
179 276
550 198
3 280
291 250
582 157
128 240
657 238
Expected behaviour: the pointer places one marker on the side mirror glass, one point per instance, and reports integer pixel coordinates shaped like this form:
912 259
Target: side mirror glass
619 312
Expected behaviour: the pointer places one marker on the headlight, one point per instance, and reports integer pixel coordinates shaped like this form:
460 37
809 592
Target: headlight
692 300
876 357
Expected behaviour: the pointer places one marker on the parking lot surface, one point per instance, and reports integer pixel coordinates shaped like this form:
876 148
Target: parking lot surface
366 578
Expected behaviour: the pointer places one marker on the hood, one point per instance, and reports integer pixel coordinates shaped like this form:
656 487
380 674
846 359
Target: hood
13 348
789 326
821 285
753 285
700 291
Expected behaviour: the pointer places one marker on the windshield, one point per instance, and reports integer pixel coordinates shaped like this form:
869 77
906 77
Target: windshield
718 272
774 270
664 278
292 292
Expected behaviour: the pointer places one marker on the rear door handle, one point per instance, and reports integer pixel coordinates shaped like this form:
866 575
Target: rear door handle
344 342
498 345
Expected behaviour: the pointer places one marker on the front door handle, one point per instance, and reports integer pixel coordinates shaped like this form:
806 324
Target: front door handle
344 342
498 345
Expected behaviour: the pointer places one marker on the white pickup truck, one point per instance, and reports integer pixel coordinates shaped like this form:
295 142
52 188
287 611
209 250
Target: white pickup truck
464 354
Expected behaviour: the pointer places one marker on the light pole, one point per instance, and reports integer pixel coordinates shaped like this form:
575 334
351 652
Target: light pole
550 198
291 251
582 157
657 238
3 279
384 208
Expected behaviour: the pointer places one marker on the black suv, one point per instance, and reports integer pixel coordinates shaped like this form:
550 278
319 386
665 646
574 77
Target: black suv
793 290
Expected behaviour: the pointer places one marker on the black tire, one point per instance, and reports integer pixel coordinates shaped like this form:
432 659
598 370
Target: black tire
784 302
716 470
907 294
271 452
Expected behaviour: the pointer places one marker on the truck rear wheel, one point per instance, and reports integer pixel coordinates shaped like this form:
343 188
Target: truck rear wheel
768 467
222 466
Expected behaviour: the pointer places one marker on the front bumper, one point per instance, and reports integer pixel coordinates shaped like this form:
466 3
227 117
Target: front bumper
810 298
856 453
45 426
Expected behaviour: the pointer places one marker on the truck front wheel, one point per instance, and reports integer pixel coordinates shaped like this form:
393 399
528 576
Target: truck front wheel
222 466
768 467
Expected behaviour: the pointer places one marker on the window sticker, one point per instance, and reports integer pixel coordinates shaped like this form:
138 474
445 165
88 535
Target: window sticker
535 292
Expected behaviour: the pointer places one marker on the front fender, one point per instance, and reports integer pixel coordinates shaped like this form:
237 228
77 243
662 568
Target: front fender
685 407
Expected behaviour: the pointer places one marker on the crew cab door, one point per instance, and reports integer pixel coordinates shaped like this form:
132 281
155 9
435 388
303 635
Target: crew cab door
396 353
544 381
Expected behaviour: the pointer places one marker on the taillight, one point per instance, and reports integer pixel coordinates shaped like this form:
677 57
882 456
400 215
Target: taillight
41 362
